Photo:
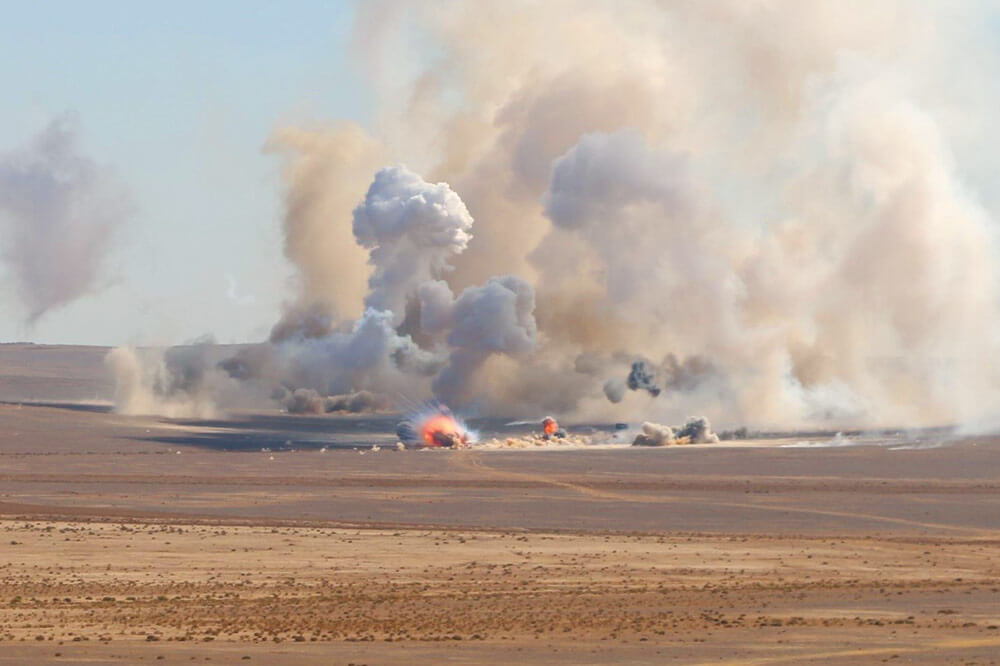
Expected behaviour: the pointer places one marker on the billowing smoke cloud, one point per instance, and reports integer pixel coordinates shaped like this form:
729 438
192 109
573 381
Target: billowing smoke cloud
326 173
697 430
654 434
497 318
314 363
784 210
59 215
772 197
412 228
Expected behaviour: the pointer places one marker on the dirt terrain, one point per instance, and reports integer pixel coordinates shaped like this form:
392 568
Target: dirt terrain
276 539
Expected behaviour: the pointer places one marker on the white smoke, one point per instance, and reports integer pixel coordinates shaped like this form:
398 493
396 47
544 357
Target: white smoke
412 228
59 215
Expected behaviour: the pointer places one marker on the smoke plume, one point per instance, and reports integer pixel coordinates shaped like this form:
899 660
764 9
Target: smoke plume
772 192
313 363
779 211
326 173
697 430
654 434
177 382
59 215
497 318
411 228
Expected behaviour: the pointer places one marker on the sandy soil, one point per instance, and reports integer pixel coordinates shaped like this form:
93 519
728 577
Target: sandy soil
127 539
86 589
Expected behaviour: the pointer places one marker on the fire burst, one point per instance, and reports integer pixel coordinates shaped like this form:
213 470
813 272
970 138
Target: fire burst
436 426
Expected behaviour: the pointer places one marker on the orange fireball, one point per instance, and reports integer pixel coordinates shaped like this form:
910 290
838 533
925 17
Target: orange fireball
549 425
441 430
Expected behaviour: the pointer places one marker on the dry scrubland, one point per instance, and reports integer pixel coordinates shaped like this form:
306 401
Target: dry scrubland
127 540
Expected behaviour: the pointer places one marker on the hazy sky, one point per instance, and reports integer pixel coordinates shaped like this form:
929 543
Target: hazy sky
178 99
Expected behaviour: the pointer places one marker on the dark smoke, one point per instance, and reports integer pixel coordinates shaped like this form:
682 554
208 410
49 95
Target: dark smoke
641 376
673 375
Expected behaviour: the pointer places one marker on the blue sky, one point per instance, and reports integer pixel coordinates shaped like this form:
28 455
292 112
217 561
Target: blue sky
178 99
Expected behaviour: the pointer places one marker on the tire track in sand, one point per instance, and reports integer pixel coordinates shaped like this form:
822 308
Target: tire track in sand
472 461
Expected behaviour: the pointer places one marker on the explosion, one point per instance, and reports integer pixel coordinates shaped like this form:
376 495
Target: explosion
442 430
549 425
434 426
817 254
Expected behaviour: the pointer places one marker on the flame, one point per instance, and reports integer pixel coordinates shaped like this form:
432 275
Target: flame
440 424
549 425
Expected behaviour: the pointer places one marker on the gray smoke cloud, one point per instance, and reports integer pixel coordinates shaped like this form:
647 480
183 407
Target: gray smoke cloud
177 382
411 229
496 318
356 402
314 363
60 213
301 401
787 210
614 390
184 368
370 355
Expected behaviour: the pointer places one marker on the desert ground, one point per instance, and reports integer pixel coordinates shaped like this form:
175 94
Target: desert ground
277 539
